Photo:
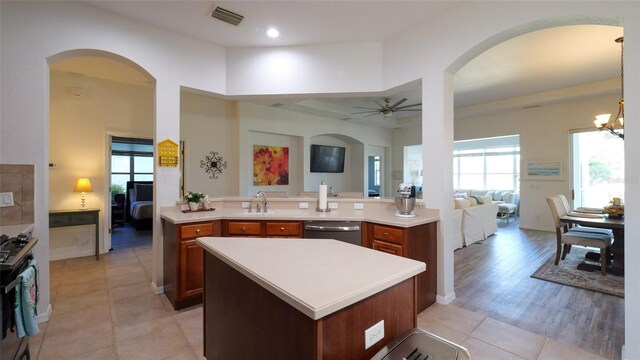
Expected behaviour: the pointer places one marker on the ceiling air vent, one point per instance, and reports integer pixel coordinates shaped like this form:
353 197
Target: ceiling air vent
227 16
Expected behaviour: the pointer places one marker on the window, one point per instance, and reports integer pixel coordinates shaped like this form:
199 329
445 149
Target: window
491 163
376 169
131 160
597 168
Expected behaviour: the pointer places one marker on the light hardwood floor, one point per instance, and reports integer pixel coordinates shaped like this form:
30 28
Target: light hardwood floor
492 278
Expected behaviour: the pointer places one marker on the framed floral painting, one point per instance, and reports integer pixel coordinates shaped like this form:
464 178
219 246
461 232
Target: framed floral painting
270 165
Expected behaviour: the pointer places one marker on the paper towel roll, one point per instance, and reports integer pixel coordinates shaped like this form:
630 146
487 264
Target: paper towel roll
322 197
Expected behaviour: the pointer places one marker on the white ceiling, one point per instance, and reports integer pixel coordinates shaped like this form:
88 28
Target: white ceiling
540 61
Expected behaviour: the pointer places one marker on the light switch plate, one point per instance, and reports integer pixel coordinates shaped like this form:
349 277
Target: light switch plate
358 206
333 205
373 334
303 205
6 199
246 204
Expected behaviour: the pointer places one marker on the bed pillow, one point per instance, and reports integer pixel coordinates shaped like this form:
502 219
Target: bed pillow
144 192
132 195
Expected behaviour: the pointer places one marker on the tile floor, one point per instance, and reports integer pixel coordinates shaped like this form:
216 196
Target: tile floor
106 310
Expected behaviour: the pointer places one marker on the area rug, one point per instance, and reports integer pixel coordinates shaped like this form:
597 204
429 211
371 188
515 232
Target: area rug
566 273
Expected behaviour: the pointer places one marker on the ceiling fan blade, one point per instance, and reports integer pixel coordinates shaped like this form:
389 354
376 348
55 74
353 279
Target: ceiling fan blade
366 108
376 101
371 115
366 112
407 106
398 103
407 110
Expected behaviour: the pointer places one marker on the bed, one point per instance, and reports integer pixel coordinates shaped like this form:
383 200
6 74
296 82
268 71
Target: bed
139 204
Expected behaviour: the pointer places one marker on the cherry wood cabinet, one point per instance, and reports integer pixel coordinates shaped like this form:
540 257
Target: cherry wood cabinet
262 228
418 243
183 261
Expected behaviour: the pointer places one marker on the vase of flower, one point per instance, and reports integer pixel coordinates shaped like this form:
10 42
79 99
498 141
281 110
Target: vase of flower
193 198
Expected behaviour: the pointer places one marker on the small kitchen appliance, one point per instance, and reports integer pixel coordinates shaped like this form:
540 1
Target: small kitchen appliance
406 199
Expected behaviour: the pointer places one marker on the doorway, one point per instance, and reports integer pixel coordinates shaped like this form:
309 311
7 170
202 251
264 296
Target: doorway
131 187
597 167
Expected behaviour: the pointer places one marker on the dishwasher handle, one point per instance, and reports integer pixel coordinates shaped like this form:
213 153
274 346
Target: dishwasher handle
344 228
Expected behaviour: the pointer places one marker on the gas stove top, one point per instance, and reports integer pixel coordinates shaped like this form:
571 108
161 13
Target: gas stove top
12 249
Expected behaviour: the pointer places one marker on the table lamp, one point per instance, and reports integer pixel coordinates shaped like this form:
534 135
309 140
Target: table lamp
83 186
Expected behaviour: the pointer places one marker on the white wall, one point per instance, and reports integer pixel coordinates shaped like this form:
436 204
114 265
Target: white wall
544 134
78 127
304 69
209 124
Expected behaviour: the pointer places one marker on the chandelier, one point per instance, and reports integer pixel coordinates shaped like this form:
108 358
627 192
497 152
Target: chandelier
604 121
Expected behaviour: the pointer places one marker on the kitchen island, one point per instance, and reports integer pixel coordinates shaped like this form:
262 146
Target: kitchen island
276 298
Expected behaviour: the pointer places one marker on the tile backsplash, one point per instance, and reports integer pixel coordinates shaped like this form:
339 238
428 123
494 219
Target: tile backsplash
18 179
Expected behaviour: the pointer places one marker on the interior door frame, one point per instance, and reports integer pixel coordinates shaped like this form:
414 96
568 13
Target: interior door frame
109 134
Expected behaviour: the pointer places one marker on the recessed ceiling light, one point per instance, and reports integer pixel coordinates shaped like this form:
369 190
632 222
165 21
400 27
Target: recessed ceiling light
273 33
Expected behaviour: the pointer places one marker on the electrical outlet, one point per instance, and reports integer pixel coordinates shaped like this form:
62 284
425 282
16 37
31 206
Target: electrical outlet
303 205
373 334
246 204
6 199
358 206
333 205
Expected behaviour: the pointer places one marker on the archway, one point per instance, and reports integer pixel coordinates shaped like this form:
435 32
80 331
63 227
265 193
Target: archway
448 113
99 94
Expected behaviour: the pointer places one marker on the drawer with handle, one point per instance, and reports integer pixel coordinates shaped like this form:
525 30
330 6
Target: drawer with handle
196 230
387 233
244 228
283 229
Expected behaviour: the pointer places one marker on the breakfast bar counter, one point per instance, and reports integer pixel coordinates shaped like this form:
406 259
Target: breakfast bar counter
302 298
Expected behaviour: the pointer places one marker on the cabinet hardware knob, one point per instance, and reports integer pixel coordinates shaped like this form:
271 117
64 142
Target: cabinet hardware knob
197 231
385 235
243 228
282 229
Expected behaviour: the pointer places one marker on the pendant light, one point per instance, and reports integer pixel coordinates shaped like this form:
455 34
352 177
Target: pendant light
604 121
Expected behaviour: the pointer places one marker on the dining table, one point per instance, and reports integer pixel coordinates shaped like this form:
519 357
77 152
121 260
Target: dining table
606 222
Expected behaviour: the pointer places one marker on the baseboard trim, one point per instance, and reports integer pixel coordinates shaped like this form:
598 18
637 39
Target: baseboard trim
447 299
40 318
157 289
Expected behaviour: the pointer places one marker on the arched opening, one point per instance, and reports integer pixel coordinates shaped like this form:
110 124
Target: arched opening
95 97
533 193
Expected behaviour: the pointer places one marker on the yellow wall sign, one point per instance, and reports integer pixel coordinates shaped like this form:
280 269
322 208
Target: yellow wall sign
167 153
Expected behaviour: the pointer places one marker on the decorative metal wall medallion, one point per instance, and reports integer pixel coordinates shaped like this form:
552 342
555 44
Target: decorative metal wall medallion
213 164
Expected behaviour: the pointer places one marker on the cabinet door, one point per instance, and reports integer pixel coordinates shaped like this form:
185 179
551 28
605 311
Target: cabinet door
191 269
387 247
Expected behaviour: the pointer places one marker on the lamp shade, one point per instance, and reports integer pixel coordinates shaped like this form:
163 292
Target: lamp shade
83 185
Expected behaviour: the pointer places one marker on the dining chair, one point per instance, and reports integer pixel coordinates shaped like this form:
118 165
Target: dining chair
569 211
565 238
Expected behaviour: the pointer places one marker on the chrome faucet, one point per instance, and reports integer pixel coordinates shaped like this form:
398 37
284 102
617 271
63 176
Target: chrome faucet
264 201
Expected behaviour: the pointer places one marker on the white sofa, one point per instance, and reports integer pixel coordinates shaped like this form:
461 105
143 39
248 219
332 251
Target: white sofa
478 220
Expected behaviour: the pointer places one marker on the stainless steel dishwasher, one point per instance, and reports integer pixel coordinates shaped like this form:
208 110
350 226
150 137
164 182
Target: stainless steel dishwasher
347 231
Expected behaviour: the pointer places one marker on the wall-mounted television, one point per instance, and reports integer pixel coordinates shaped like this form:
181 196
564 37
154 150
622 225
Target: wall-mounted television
327 159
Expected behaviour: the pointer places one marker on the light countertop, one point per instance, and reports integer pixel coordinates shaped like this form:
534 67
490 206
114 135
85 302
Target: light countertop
378 212
14 230
315 276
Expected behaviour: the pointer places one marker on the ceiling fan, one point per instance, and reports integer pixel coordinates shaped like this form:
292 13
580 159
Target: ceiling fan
387 109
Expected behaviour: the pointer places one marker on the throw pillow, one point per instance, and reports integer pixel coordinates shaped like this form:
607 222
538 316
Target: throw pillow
461 203
490 194
497 195
472 201
477 198
505 195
